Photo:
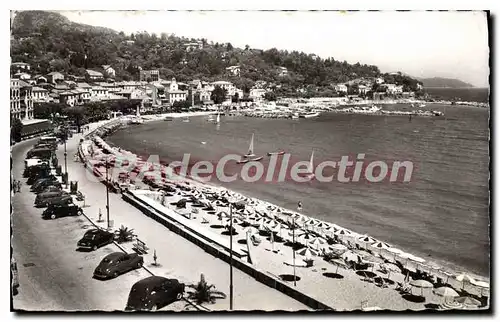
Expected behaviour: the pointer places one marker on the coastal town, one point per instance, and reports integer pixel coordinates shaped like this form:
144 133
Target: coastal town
96 227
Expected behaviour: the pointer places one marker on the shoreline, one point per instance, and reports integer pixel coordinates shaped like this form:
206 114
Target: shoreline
450 267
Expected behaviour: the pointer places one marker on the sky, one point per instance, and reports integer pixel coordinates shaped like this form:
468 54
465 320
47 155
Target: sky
418 43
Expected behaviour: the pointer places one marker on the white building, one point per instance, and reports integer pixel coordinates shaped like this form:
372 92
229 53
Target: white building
233 70
40 94
341 88
98 93
257 94
173 94
379 80
109 70
282 71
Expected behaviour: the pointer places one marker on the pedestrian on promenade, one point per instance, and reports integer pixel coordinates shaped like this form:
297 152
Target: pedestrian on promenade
299 206
18 185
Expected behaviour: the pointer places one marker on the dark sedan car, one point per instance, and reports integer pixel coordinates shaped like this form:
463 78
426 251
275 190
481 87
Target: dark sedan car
154 292
118 263
45 199
95 238
61 210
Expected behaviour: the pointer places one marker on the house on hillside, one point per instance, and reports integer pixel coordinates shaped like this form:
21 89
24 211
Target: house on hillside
110 72
19 67
340 88
282 71
22 75
233 70
26 99
152 75
40 94
54 77
363 89
190 46
257 94
93 75
379 80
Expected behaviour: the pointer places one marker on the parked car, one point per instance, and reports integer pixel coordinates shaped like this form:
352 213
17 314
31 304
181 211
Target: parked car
118 263
33 173
154 292
95 238
44 184
50 189
54 211
41 179
15 276
48 193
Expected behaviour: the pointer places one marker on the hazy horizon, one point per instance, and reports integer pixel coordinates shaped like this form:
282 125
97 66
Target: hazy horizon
419 43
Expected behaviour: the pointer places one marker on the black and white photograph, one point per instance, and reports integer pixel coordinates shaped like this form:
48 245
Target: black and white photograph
250 161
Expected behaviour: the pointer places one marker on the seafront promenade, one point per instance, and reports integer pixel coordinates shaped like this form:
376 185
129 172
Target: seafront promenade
177 258
350 292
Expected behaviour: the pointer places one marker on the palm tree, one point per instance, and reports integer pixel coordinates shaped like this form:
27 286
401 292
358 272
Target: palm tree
203 292
125 234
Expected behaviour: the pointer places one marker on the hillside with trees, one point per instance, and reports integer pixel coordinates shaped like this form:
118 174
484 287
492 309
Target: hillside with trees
50 42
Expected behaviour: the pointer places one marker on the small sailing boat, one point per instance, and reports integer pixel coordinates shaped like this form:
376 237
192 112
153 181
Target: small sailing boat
250 153
218 118
310 168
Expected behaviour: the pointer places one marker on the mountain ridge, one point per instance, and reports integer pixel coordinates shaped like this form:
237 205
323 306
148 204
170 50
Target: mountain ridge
443 82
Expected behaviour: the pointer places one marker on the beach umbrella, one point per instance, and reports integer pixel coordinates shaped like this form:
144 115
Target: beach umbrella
365 240
421 284
317 242
298 232
468 301
279 229
338 263
390 268
350 256
323 225
464 278
445 292
343 232
379 246
337 248
307 253
372 260
236 221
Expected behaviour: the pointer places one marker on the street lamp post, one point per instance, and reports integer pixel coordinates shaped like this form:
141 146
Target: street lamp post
230 256
107 193
66 161
293 248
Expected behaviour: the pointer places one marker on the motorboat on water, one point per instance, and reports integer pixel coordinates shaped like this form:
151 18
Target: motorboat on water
186 120
137 120
168 118
309 115
276 153
421 105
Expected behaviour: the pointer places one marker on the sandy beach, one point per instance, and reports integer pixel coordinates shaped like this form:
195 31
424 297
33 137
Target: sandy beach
207 205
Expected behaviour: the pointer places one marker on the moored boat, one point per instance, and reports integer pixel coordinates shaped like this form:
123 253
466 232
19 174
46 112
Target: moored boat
276 153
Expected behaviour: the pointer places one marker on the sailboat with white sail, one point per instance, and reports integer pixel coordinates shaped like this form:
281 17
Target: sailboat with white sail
250 156
310 168
218 118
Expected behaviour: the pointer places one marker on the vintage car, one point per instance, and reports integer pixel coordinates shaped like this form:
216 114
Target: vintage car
118 263
44 183
95 238
153 293
56 210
